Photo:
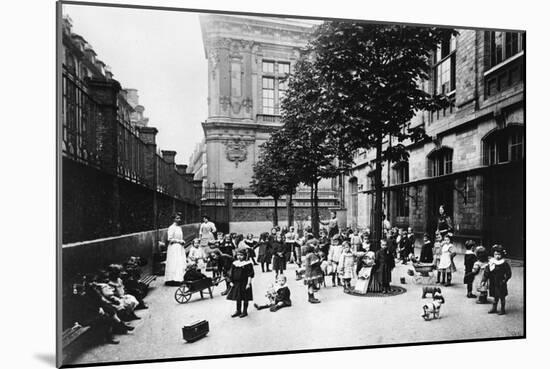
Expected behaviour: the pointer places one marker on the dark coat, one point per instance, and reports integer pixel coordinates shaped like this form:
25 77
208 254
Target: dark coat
498 279
469 261
279 262
227 248
383 266
283 295
238 275
444 224
426 253
264 252
193 275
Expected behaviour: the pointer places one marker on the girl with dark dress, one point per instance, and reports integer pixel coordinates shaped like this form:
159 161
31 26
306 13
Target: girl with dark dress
264 252
240 275
314 273
426 252
498 273
444 222
252 246
381 271
226 246
469 260
279 261
223 264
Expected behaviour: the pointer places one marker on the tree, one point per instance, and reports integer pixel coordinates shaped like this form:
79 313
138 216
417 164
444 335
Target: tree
272 176
309 152
370 88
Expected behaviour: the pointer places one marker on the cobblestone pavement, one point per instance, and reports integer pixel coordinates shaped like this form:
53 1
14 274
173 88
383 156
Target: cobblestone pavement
340 320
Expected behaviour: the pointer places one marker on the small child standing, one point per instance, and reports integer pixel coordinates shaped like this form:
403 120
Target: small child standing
446 263
333 257
279 261
437 255
469 261
264 252
240 275
426 252
345 265
498 273
478 271
196 255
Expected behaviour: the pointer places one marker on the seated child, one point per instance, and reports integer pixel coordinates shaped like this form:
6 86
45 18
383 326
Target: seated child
278 295
192 274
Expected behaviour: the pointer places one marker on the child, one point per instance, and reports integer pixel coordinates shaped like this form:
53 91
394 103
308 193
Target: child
223 264
498 273
226 247
252 244
478 271
446 263
324 241
469 261
240 275
196 255
365 263
326 267
291 238
313 272
127 301
345 265
279 261
333 257
278 295
411 242
437 254
426 253
192 274
356 241
383 266
264 252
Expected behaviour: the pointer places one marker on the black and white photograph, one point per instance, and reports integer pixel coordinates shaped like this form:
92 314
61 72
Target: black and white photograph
234 184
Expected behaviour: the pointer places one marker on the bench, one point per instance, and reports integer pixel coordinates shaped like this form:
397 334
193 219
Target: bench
147 279
72 334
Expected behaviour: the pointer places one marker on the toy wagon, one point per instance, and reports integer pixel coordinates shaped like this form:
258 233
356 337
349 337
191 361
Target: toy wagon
423 273
183 294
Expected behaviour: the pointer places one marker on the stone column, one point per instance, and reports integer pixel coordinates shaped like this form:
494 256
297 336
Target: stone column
197 187
228 198
105 93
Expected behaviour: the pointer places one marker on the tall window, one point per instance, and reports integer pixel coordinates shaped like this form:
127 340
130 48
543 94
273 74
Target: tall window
504 45
441 162
401 171
504 146
274 85
444 67
268 95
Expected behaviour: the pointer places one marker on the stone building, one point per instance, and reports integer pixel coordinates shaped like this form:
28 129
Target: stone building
474 161
248 58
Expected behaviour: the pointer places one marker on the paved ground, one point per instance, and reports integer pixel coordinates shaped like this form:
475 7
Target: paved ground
340 320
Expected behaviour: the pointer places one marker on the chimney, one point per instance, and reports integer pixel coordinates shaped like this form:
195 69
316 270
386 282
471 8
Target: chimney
148 135
169 156
181 168
132 97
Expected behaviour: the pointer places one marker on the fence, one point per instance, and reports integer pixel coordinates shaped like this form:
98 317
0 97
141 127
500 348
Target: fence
97 134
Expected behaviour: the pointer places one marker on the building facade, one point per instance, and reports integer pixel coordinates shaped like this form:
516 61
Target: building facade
474 160
249 59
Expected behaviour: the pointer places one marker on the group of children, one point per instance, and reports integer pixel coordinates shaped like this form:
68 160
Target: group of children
343 257
108 299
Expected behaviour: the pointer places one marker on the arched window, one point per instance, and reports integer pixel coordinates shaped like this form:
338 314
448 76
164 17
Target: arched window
504 145
440 162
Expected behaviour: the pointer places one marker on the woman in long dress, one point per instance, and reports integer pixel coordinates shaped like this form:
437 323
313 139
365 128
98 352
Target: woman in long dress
206 231
175 254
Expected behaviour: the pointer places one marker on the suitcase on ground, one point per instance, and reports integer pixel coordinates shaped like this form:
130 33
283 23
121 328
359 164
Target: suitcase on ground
195 330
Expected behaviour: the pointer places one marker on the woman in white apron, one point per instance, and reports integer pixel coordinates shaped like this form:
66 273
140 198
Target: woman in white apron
206 231
175 254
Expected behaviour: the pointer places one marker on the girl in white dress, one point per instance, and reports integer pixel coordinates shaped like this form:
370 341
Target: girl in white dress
175 254
446 263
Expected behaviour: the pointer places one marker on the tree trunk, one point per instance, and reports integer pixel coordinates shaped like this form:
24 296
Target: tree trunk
315 212
275 214
377 221
289 210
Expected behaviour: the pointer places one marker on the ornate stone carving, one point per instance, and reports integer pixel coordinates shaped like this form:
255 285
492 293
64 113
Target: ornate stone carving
236 107
236 150
225 101
213 59
247 104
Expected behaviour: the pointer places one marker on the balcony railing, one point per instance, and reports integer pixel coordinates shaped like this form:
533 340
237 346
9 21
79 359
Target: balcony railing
268 118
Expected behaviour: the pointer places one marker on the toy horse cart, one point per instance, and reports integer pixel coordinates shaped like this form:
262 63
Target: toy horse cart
423 273
184 292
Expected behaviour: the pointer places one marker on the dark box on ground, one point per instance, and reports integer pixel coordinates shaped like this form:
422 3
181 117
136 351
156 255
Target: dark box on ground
195 330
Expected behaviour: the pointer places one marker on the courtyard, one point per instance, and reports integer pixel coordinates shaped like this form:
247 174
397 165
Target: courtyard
340 320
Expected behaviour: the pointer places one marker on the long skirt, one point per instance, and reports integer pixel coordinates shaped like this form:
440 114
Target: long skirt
175 263
239 292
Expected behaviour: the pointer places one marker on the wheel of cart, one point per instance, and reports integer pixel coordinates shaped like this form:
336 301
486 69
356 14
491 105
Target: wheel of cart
184 292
